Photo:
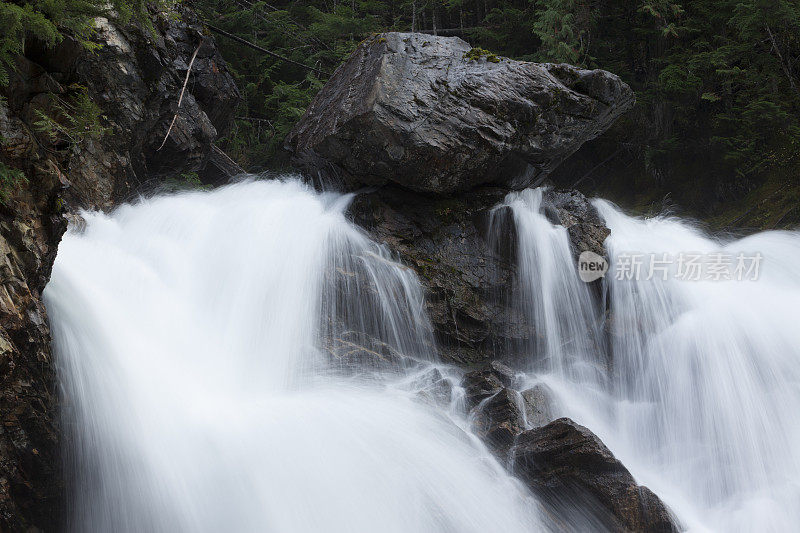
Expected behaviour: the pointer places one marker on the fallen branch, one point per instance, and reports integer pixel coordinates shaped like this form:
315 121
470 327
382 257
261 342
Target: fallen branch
180 99
224 163
264 50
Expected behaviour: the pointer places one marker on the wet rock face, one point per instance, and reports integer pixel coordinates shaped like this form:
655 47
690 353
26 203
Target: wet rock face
571 209
463 250
356 353
413 109
564 461
135 79
538 402
465 279
480 385
498 420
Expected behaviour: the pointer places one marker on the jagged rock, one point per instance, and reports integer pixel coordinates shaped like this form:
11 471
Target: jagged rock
481 384
503 372
498 420
538 402
413 109
571 209
565 461
135 77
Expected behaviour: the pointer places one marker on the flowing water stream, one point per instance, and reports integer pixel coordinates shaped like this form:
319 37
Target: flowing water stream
697 390
190 333
194 335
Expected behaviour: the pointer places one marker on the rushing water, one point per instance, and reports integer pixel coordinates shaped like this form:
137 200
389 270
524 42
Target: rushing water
194 335
191 333
699 392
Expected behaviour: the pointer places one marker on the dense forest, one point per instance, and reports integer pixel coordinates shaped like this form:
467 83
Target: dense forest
717 81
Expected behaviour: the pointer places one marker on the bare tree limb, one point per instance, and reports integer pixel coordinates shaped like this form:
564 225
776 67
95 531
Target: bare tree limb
264 50
180 99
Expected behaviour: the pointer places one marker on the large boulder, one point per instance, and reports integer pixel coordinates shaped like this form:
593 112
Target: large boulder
565 462
434 115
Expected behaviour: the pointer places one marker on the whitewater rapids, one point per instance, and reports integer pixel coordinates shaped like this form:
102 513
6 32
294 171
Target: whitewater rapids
188 330
694 385
191 333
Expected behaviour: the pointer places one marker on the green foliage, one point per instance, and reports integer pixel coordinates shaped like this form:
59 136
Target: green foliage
49 20
11 179
74 118
565 29
188 181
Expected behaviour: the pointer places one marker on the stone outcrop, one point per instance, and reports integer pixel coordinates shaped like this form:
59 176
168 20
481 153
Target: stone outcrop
571 209
464 253
564 461
446 242
134 78
499 419
433 115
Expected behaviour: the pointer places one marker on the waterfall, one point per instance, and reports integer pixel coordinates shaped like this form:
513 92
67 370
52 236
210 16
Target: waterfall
247 359
197 338
699 392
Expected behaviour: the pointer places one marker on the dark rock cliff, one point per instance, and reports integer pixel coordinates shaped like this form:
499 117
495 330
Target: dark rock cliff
433 115
463 250
135 77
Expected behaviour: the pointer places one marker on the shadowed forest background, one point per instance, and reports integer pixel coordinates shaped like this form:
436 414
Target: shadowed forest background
715 130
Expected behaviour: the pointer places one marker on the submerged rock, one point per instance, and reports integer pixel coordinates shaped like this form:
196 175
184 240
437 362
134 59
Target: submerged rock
354 352
433 387
538 402
564 461
424 112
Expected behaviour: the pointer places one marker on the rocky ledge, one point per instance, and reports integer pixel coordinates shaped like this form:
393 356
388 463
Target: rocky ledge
578 480
565 462
434 115
134 78
463 250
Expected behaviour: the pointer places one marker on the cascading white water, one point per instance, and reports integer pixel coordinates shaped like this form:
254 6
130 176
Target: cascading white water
189 331
701 395
568 340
